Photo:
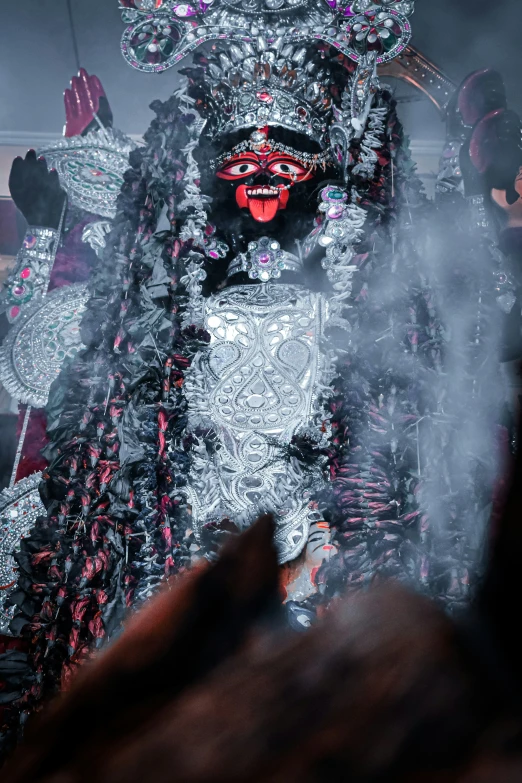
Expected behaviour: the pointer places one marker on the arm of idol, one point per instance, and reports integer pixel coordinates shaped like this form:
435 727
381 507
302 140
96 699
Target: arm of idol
38 195
86 106
479 94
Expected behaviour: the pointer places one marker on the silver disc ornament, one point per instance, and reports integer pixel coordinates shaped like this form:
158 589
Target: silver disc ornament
45 335
91 169
20 506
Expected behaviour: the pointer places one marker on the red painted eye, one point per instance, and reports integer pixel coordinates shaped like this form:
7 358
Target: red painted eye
289 168
238 170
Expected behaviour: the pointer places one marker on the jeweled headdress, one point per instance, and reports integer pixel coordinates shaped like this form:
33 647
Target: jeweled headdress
163 32
266 69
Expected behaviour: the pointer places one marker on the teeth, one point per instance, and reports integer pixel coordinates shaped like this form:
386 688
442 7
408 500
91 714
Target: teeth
263 192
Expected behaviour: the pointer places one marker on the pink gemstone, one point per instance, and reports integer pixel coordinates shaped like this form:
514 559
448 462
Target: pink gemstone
29 242
14 312
264 97
184 10
213 254
335 212
264 258
25 274
19 290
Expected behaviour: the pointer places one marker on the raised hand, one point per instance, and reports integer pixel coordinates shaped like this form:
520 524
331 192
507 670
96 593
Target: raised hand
36 191
491 155
85 99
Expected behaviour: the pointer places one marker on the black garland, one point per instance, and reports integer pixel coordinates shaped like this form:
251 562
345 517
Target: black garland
117 521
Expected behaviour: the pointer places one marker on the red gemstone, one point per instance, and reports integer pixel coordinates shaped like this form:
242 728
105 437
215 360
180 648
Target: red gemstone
14 312
25 273
265 97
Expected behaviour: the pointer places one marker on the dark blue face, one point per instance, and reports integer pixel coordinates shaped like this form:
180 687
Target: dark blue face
266 190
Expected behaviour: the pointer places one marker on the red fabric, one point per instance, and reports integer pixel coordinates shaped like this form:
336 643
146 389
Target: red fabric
74 259
35 440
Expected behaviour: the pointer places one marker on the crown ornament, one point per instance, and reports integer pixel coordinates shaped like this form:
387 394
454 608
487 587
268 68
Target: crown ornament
161 33
274 84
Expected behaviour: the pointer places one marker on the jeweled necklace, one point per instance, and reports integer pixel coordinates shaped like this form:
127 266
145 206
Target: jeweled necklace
264 261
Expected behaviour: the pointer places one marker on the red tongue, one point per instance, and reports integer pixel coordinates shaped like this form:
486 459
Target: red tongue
263 209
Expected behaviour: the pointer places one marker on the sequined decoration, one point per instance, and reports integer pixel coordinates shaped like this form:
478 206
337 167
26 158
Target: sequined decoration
45 335
160 35
91 168
263 380
20 506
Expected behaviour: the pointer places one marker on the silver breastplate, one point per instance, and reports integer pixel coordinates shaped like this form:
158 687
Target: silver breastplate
261 381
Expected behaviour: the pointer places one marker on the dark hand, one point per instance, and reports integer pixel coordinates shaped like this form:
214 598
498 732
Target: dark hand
36 191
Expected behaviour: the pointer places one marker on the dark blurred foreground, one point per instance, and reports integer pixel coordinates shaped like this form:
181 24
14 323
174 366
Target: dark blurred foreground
206 684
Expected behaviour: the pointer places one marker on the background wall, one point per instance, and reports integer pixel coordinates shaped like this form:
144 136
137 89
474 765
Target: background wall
37 58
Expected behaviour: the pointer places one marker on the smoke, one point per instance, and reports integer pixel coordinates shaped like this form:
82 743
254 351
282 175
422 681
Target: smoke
464 433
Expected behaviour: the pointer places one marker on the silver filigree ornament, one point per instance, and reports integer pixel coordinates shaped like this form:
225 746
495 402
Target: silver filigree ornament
264 378
91 168
264 261
341 228
95 235
32 271
158 38
20 506
46 334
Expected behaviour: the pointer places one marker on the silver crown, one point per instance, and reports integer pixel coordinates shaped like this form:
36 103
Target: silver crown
274 84
160 33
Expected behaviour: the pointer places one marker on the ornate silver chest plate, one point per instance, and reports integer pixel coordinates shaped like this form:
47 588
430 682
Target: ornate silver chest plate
262 380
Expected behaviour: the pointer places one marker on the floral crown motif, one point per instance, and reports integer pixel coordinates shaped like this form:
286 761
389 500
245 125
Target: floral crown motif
267 69
160 33
275 84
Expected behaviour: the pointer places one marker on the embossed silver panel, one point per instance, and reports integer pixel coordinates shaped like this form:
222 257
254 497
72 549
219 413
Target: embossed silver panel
261 381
